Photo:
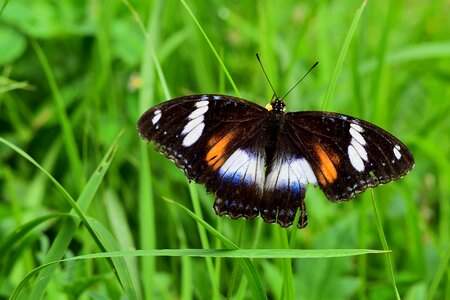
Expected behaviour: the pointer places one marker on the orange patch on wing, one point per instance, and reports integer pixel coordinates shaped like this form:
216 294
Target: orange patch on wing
214 157
328 173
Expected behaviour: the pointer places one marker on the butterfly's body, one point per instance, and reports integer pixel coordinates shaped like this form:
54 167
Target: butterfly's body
259 160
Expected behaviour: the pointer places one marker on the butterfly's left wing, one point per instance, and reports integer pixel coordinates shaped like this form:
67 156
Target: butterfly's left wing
347 155
216 140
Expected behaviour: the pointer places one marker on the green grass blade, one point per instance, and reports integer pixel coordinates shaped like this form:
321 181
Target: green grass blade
288 281
246 265
227 253
204 240
216 54
66 126
385 246
439 275
19 233
147 227
241 254
342 55
5 3
119 266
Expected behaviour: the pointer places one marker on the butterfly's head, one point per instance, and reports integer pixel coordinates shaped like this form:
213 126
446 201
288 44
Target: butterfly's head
277 105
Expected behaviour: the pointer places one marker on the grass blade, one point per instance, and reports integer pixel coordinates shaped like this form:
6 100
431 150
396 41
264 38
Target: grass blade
216 54
246 265
385 247
66 126
342 55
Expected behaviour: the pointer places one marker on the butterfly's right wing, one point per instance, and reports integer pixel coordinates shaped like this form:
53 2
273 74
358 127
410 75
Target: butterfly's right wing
215 140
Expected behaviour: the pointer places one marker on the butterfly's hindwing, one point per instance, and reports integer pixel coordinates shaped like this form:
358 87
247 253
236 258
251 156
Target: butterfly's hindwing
239 182
348 155
287 176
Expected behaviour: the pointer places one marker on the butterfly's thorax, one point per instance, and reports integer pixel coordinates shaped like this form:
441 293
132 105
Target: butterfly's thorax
274 126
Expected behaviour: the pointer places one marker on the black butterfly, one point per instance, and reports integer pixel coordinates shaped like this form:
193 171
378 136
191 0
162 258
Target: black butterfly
259 160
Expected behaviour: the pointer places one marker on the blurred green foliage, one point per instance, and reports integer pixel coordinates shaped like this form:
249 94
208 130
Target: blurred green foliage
74 73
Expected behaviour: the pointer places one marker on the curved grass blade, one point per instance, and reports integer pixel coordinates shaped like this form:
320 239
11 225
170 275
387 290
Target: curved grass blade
241 254
385 246
66 127
222 65
342 55
246 265
20 232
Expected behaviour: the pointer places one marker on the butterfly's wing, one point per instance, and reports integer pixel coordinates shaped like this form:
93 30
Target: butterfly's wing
215 140
346 154
288 173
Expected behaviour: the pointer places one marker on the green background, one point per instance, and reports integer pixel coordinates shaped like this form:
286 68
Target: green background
76 73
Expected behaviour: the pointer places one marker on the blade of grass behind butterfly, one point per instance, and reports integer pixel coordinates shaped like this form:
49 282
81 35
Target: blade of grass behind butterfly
332 86
224 68
342 55
288 283
385 246
4 6
66 127
247 266
439 275
204 241
192 188
147 232
287 292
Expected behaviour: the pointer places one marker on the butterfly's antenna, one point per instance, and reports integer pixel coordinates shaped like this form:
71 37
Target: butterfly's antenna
267 77
300 80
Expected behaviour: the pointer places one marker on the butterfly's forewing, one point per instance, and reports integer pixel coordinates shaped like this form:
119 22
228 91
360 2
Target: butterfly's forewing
348 155
215 139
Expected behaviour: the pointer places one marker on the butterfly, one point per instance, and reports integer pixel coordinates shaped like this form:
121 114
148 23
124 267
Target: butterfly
259 161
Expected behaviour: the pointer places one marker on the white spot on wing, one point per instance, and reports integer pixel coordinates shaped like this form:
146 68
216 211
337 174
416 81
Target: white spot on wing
194 135
156 116
360 149
397 153
356 151
250 170
201 103
198 112
293 174
272 177
230 163
308 173
283 175
242 166
356 135
356 127
194 128
192 124
355 158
